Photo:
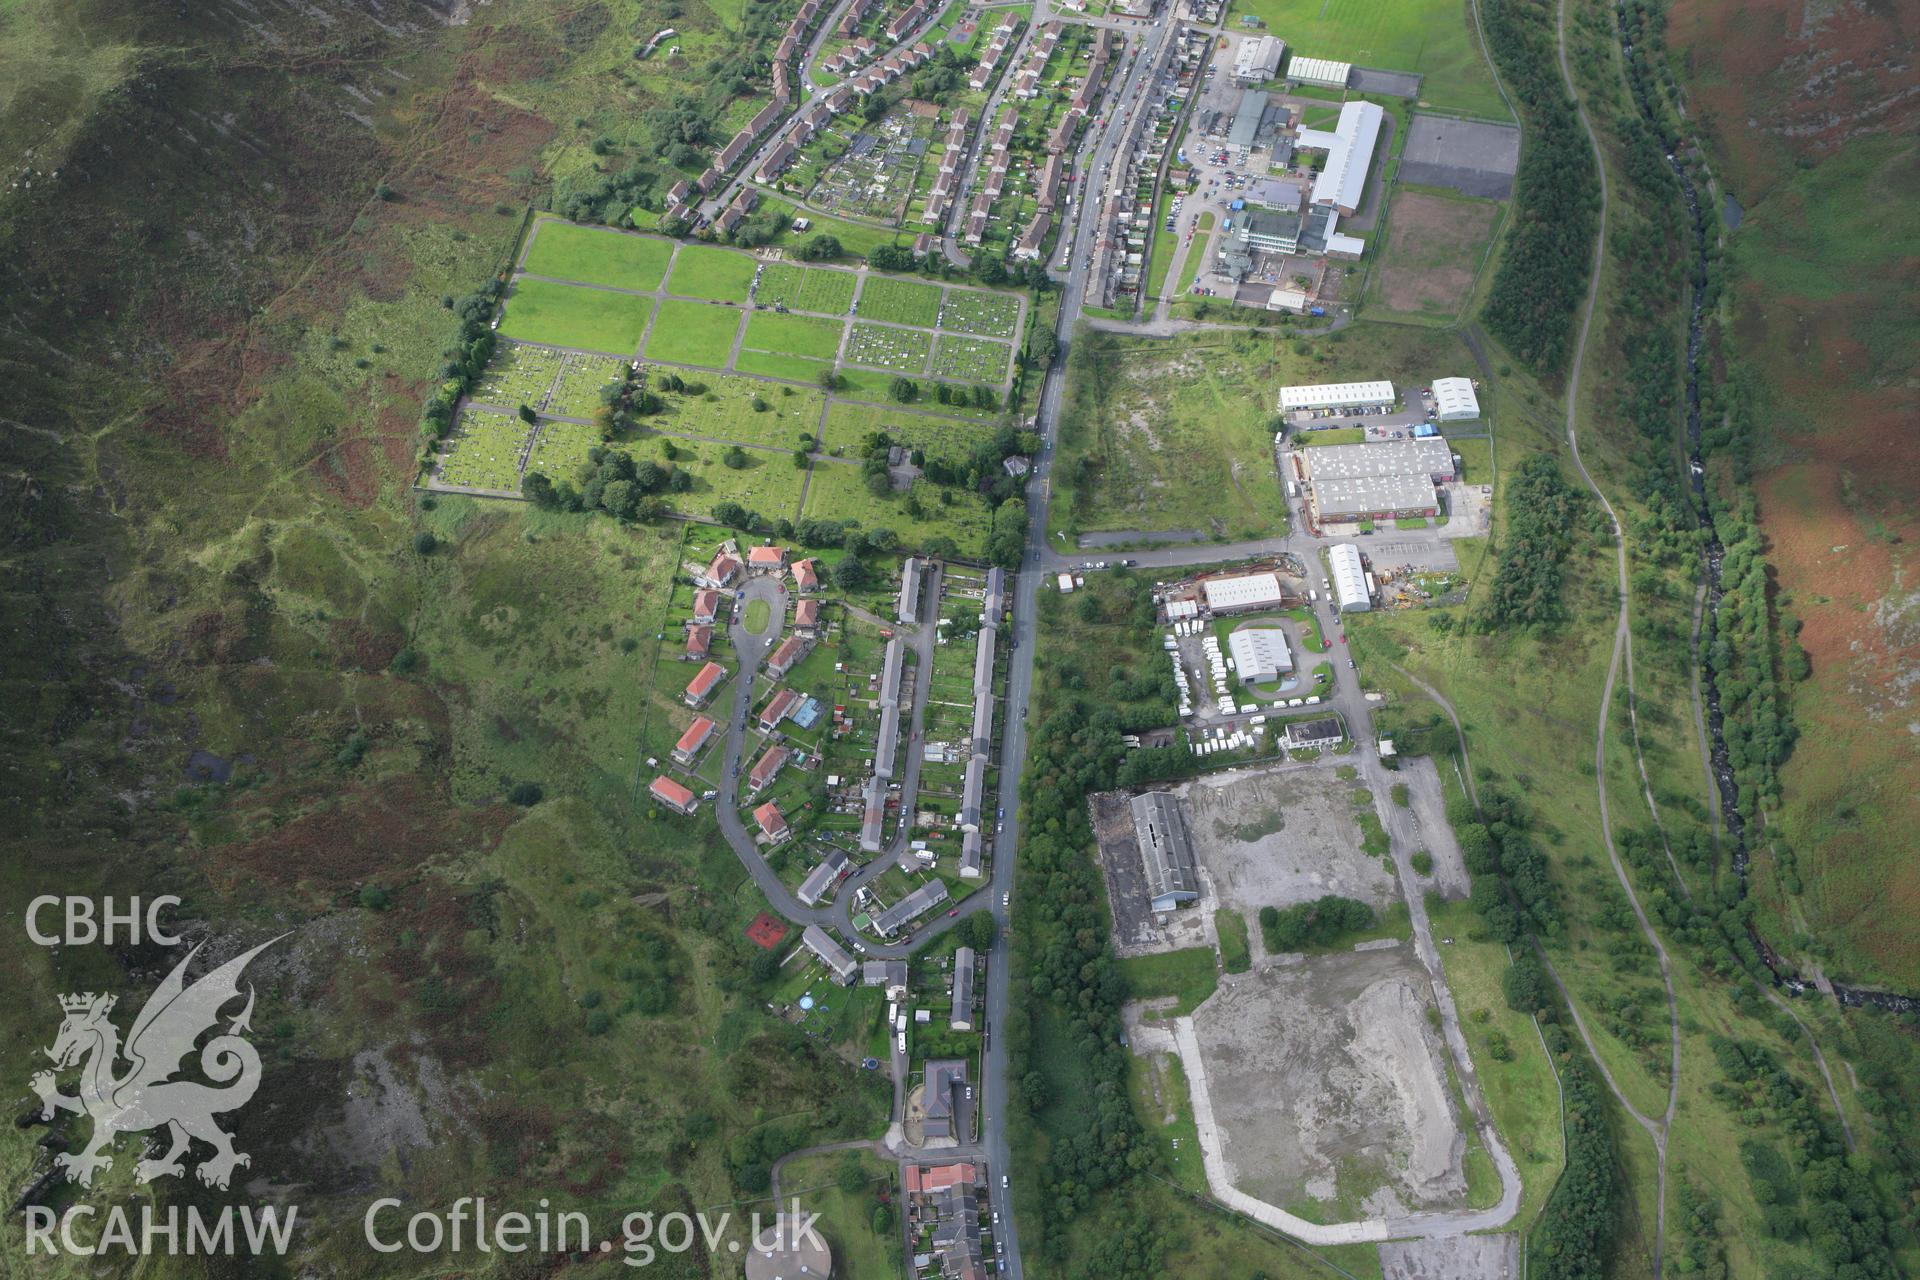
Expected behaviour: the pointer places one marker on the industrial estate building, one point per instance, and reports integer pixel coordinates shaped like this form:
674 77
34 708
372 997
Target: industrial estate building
1242 592
1379 481
1336 395
1349 578
1324 72
1454 400
1260 654
1166 848
1349 147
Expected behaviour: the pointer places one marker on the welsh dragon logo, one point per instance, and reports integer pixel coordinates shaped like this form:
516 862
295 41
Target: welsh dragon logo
143 1096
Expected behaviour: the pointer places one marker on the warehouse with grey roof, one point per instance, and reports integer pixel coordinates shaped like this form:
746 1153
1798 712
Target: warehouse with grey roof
1166 847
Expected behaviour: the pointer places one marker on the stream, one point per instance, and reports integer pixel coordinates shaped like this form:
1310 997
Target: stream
1713 554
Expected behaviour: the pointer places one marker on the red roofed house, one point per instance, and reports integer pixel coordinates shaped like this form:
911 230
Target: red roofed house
772 825
806 575
791 650
699 640
724 569
693 739
701 687
924 1179
766 768
778 709
672 794
771 558
806 615
706 606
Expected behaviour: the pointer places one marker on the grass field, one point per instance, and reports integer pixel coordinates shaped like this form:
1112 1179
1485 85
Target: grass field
577 392
1236 952
1432 37
971 359
693 333
805 289
993 315
771 365
953 438
846 1218
768 483
725 411
839 492
597 255
1188 976
886 347
806 336
721 275
900 301
518 375
484 451
560 449
1196 254
565 316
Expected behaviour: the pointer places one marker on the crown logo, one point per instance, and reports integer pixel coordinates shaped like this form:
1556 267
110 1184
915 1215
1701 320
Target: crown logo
84 1001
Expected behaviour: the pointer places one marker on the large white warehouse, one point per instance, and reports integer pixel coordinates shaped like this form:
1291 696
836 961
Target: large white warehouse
1260 654
1337 395
1455 400
1349 578
1247 591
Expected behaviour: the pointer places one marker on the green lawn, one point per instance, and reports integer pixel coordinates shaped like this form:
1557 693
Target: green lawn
597 255
725 411
759 613
992 315
807 336
693 333
771 365
971 359
839 492
1433 37
1196 254
900 301
886 347
565 316
702 271
846 1219
1236 954
484 450
849 424
805 288
1331 435
1188 976
560 449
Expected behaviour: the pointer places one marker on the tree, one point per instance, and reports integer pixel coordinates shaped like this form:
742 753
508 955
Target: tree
848 1175
528 416
734 459
425 542
903 390
620 499
879 485
526 794
828 380
981 930
851 574
800 459
1525 983
820 249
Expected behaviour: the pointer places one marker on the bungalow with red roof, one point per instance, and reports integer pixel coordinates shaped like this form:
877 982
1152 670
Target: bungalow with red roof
706 606
765 768
772 824
699 641
723 569
806 575
787 656
778 708
693 739
806 615
701 687
673 795
772 559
